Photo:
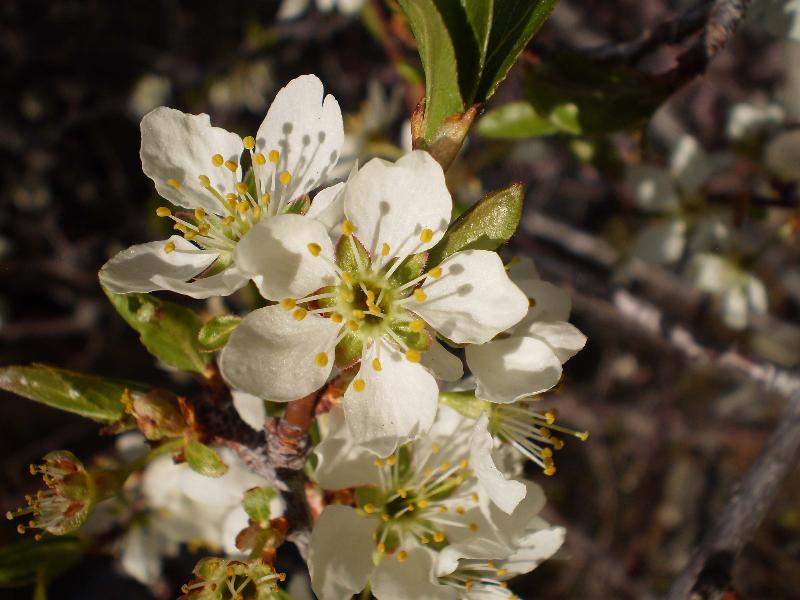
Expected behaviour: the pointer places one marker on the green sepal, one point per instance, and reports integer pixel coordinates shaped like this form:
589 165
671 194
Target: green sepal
487 225
90 396
418 340
256 504
465 403
168 331
411 267
204 460
214 334
348 351
23 562
346 259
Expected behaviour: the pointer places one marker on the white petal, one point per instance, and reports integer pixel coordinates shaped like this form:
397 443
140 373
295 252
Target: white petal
328 206
341 462
223 283
275 254
234 522
290 9
412 579
340 553
661 243
391 203
473 300
652 188
509 369
133 269
711 273
179 146
689 164
306 130
756 295
513 527
271 355
379 417
141 554
565 339
734 307
224 491
550 302
250 408
535 547
444 365
505 493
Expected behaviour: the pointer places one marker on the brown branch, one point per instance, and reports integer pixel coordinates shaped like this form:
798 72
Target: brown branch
708 575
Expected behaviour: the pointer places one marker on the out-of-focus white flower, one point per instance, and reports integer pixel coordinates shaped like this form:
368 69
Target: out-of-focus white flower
149 92
748 121
197 167
391 211
740 292
250 408
247 86
290 9
780 17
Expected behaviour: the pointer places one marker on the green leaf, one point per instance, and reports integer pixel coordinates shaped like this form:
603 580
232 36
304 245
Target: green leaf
515 120
86 395
485 226
466 403
256 504
214 334
24 562
168 331
204 460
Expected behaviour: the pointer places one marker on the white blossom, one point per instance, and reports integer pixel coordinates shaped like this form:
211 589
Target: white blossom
290 9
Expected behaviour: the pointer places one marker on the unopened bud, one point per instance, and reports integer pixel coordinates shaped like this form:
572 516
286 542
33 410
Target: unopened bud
157 413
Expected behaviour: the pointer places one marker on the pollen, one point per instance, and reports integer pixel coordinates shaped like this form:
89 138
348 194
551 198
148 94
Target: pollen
241 187
336 317
358 314
419 295
382 548
376 364
217 160
249 142
174 183
550 470
369 508
422 504
426 235
199 214
205 181
321 359
348 228
413 355
274 156
402 556
352 325
285 178
260 159
299 314
242 206
435 272
359 385
288 303
385 249
438 537
347 276
417 325
314 249
169 247
228 220
163 211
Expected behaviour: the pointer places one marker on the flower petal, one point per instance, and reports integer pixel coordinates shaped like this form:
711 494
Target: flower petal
275 253
341 462
513 527
133 269
141 551
509 369
223 283
236 520
250 408
411 578
547 301
178 146
652 188
535 547
328 206
661 243
505 493
378 416
340 553
473 300
565 339
689 164
271 355
392 203
444 365
221 491
306 130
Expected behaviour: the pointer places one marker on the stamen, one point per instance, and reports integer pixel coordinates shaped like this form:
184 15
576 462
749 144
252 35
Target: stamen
348 228
299 314
413 355
169 247
419 295
285 178
376 364
274 156
174 183
321 359
288 303
249 142
231 166
163 211
426 235
359 385
217 160
417 325
259 159
435 272
314 249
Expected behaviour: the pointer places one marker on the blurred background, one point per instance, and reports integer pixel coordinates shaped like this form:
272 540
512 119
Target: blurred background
718 258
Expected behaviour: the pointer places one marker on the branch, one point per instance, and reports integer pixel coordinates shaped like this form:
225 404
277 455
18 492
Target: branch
708 574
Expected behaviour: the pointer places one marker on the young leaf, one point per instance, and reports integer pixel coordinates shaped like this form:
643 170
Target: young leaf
204 460
214 334
25 561
485 226
515 120
168 331
86 395
256 504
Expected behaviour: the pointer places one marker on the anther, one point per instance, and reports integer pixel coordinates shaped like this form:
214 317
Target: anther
249 142
347 276
169 247
359 385
348 228
336 317
314 249
241 187
228 220
391 460
242 206
419 295
438 537
260 159
199 214
376 364
205 181
426 235
369 508
174 183
299 314
256 213
385 249
417 325
217 160
460 510
550 470
285 178
231 166
382 548
321 359
435 272
352 325
422 504
274 156
265 199
473 527
378 463
402 556
358 314
163 211
413 355
288 303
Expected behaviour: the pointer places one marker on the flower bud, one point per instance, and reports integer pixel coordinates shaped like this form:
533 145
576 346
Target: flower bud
157 413
218 579
64 504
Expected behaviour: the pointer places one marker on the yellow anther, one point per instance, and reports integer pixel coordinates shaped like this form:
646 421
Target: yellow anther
256 213
531 302
20 529
385 518
582 435
547 453
558 443
422 504
550 416
435 272
463 463
370 296
321 359
190 235
348 228
444 466
199 214
438 537
314 249
502 572
413 355
249 142
426 235
352 325
336 317
419 295
299 314
369 508
391 460
288 303
424 540
385 249
174 183
417 325
285 178
358 314
265 199
347 277
231 166
241 187
348 296
550 470
231 199
402 492
204 229
474 497
260 159
435 448
473 527
545 433
204 181
217 160
402 556
169 247
469 584
274 156
242 206
376 364
281 577
163 211
382 548
460 510
228 220
359 385
378 463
